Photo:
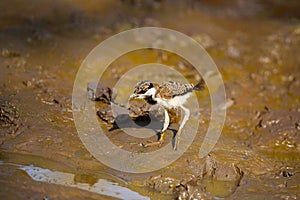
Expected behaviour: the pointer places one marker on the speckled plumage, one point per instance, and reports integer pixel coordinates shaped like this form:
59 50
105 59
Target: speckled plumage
171 89
166 90
169 94
142 87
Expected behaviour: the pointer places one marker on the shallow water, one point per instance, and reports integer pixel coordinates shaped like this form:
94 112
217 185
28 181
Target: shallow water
99 186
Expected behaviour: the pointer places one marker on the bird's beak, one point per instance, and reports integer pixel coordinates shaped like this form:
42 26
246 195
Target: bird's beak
133 96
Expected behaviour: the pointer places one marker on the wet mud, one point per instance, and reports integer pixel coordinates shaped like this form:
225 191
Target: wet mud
256 46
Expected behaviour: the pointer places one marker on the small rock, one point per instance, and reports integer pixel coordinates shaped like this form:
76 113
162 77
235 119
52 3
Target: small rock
100 93
285 172
106 115
10 121
8 114
162 184
114 113
142 108
221 171
9 54
209 167
193 191
138 108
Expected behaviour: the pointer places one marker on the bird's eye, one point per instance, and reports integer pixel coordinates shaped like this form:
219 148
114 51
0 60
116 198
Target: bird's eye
139 91
151 85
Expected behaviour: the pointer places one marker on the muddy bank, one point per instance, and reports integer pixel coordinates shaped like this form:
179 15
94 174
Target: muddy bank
257 156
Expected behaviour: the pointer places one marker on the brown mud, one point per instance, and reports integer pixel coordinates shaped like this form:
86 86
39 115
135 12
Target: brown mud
256 46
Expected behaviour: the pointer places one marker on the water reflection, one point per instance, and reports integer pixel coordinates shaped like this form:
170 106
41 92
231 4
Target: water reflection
100 186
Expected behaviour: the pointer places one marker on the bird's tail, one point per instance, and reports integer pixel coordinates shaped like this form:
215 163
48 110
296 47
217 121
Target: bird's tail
199 86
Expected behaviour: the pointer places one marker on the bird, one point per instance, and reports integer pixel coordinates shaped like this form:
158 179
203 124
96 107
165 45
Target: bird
169 94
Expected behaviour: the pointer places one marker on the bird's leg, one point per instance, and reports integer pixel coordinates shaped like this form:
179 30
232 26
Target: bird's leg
162 133
184 120
166 125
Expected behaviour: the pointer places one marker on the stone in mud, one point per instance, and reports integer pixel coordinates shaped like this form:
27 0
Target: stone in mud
137 108
100 93
280 129
9 54
182 191
142 108
217 178
114 113
285 172
192 190
10 121
215 170
106 115
162 184
135 111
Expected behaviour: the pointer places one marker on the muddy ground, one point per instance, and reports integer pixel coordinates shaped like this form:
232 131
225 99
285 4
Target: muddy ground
256 46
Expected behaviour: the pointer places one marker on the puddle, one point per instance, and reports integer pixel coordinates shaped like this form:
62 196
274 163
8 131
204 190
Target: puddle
101 186
221 189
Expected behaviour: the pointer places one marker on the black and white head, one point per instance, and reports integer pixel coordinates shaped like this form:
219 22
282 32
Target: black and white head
143 90
142 87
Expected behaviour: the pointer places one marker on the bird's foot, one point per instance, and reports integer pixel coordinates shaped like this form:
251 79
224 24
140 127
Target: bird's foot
159 142
150 143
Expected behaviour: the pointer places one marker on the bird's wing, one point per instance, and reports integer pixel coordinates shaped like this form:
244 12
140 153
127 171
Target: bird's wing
171 89
164 92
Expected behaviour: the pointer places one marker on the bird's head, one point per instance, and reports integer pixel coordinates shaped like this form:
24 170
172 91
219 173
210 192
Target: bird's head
143 90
